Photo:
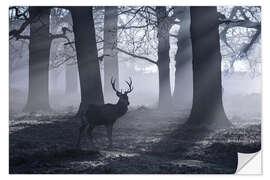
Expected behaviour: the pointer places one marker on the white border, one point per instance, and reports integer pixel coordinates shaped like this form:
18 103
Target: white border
136 2
4 78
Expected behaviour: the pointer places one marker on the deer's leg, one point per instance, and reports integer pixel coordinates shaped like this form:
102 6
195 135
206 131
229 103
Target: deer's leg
109 133
82 128
89 131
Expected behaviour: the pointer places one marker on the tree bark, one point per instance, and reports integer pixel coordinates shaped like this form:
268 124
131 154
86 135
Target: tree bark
183 67
111 69
87 56
207 108
39 54
163 63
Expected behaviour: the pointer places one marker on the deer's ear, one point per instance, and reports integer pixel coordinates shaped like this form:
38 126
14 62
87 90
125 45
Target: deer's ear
118 94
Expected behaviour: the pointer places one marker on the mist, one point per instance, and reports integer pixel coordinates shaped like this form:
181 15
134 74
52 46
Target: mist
133 89
242 91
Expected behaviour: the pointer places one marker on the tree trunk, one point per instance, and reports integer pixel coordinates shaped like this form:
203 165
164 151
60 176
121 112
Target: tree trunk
71 79
39 54
165 99
111 69
87 56
183 67
207 108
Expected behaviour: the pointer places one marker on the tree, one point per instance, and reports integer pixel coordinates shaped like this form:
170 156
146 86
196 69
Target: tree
207 108
182 95
141 27
163 63
150 19
40 40
87 57
240 34
111 69
39 53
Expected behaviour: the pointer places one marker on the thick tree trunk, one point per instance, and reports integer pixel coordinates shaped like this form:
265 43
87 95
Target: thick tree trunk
111 69
183 67
87 56
39 54
71 79
165 99
207 109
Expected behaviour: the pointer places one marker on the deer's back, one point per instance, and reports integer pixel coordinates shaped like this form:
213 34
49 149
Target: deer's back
102 114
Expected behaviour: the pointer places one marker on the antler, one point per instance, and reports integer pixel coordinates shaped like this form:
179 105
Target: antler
113 86
129 83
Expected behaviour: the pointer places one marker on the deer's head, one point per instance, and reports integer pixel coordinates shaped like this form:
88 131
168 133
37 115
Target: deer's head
123 97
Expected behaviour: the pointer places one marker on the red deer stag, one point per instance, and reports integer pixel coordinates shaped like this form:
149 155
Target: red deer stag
107 114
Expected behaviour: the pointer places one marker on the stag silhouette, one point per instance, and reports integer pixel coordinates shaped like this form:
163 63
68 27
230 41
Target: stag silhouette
107 114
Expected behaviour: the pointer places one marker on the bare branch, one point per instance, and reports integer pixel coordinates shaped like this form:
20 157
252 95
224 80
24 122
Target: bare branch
137 56
246 22
100 58
24 37
19 14
229 21
62 35
254 38
134 27
15 33
62 62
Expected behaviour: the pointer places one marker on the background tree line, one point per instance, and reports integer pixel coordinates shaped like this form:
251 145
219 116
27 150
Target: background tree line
94 36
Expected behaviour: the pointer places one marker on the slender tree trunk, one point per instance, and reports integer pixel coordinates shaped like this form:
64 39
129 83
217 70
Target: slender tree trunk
111 69
183 67
165 99
39 54
87 56
71 79
207 109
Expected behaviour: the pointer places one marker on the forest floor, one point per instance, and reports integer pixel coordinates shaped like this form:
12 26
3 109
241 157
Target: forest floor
144 141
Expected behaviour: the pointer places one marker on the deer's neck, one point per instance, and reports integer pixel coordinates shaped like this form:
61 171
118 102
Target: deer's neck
122 109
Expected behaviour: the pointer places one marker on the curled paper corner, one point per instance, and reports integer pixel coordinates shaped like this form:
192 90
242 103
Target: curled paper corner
249 163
